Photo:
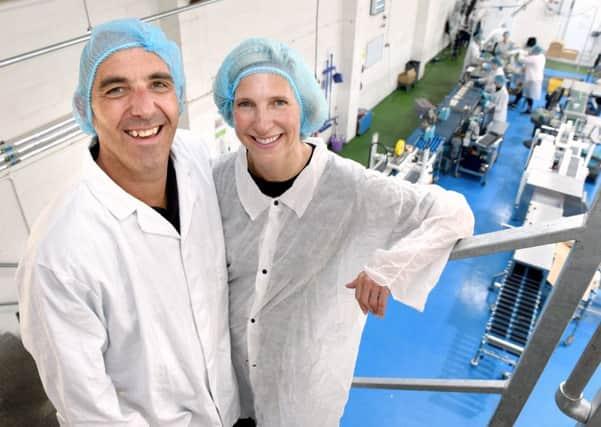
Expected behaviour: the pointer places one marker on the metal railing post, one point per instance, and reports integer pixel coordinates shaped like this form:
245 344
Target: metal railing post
574 279
569 394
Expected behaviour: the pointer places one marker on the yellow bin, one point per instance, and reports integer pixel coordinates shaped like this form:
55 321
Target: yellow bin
554 83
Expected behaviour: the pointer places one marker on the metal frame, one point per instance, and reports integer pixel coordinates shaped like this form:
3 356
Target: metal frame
574 278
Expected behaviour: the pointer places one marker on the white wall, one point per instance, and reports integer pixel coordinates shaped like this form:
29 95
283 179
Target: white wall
25 190
38 91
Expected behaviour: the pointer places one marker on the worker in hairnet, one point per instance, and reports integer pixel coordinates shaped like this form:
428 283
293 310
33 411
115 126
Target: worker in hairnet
534 74
122 288
314 241
503 47
500 99
472 55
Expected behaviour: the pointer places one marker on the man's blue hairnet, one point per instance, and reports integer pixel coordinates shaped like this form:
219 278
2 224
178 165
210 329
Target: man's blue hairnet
114 36
258 55
536 49
500 80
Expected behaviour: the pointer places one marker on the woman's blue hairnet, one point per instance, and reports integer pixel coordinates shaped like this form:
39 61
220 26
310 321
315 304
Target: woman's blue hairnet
258 55
536 49
498 62
111 37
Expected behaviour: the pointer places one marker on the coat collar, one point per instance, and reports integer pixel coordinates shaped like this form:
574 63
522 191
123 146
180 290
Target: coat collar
121 204
296 197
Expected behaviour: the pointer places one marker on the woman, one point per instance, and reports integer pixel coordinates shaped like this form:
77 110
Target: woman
300 223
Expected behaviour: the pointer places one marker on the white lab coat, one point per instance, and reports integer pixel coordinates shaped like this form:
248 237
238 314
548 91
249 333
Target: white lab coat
502 49
295 327
534 74
471 55
126 319
501 98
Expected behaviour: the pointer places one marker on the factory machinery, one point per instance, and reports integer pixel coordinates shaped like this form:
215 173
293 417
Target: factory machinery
464 114
456 137
552 186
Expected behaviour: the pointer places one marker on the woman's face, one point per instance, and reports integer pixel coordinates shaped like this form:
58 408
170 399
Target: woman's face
267 119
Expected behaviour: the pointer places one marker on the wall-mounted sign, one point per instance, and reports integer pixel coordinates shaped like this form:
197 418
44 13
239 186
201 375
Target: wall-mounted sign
375 51
377 6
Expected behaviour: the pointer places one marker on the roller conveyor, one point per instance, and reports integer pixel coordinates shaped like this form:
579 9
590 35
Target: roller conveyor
431 145
513 315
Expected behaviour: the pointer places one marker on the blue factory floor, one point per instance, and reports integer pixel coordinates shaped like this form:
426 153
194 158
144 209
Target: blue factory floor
441 341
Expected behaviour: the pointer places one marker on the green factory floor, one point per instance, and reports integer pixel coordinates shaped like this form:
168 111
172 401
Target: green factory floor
563 66
395 118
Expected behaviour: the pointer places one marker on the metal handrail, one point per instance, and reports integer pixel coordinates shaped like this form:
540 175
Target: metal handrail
8 265
432 384
561 230
83 38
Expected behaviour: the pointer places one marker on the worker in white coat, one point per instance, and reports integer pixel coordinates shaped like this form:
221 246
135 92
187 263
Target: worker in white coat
472 55
314 241
503 47
501 99
534 74
122 288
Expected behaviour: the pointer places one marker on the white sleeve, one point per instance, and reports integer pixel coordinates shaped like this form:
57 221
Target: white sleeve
62 326
426 222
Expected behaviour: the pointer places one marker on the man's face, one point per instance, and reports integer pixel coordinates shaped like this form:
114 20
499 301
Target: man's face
135 113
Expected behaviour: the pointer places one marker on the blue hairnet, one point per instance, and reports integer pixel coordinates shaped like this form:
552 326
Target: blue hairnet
111 37
536 49
487 67
258 55
500 80
498 62
478 37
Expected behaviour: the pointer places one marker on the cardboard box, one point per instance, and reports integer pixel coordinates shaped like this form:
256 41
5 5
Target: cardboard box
569 54
561 253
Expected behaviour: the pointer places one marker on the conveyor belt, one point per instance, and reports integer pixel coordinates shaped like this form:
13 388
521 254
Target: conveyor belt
513 315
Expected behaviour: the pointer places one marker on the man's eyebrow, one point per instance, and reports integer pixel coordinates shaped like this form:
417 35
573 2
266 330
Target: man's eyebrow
161 76
110 81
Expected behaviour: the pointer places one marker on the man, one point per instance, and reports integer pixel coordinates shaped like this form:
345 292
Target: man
122 289
534 73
